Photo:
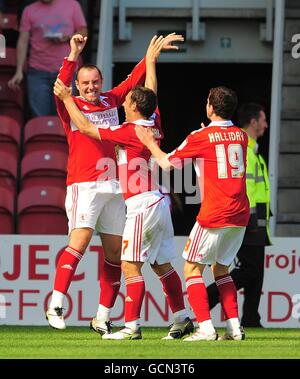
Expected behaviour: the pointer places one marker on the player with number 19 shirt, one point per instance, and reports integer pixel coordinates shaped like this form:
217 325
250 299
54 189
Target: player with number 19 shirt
219 153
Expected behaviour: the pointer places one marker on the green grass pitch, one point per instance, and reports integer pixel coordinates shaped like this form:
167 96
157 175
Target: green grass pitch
80 342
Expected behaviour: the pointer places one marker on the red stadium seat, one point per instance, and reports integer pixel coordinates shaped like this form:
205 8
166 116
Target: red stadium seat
10 21
41 211
8 64
8 96
8 170
47 167
13 111
6 211
42 133
9 135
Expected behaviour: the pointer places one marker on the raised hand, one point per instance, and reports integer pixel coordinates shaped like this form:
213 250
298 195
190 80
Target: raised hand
169 39
154 49
77 43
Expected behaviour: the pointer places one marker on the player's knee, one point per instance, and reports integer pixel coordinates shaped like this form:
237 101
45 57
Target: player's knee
80 238
130 269
219 270
191 269
161 269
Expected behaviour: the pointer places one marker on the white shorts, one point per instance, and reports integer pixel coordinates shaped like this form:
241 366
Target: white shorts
211 245
148 235
96 205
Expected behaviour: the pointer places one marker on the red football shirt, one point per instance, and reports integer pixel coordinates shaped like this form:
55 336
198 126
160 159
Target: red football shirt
90 160
136 171
219 156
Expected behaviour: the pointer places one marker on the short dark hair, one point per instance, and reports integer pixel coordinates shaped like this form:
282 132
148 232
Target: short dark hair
247 112
224 101
89 66
145 99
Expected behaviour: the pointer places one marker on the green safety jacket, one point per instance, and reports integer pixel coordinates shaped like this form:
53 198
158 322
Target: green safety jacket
258 192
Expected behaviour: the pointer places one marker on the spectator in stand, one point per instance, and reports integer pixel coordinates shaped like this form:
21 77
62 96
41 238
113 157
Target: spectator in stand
46 26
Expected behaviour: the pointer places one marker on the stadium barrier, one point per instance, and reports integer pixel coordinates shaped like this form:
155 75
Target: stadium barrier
27 268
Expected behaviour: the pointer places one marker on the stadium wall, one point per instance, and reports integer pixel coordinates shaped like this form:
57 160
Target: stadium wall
27 267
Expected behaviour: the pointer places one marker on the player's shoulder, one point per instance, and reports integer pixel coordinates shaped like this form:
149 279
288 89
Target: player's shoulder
198 133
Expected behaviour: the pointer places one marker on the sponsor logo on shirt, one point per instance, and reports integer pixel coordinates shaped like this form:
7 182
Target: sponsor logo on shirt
103 119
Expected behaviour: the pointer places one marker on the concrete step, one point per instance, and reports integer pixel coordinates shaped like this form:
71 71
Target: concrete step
292 4
288 218
288 148
292 13
287 230
291 182
289 167
289 116
290 132
288 200
291 99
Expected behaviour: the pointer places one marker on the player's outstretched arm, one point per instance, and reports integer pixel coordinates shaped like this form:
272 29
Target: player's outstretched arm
146 136
156 45
152 54
82 123
77 43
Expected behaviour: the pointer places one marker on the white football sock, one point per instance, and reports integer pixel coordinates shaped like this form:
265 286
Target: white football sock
56 299
103 313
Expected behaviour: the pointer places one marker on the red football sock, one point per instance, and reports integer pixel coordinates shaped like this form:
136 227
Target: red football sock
173 290
135 291
65 269
228 296
110 281
198 298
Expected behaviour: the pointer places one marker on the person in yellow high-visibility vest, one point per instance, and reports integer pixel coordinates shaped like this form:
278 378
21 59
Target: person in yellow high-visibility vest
249 271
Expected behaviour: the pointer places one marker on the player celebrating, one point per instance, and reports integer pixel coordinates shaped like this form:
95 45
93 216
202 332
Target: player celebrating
93 201
219 154
148 234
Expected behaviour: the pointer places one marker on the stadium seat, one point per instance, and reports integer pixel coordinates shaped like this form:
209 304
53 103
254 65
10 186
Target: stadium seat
8 170
47 167
6 211
8 96
41 211
13 111
8 64
10 21
9 135
45 132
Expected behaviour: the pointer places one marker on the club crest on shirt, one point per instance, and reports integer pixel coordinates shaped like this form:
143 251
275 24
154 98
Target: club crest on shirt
83 216
104 102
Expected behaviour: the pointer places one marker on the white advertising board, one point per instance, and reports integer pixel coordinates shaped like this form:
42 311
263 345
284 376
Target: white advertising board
27 269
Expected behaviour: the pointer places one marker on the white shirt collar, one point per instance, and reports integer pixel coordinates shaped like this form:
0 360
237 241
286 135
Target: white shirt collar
144 122
221 123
